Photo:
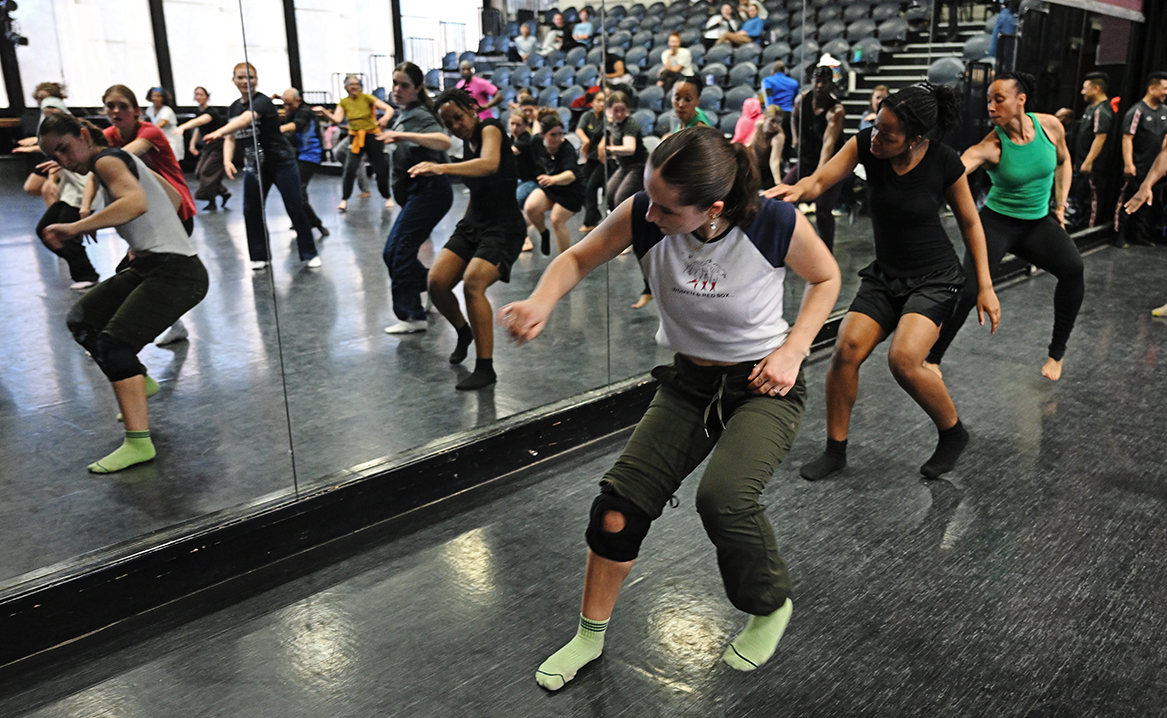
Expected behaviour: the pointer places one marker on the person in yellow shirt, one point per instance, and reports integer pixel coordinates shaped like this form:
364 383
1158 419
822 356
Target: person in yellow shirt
360 109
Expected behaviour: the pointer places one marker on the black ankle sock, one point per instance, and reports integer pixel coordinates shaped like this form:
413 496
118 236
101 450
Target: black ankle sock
465 337
833 459
948 449
483 375
545 242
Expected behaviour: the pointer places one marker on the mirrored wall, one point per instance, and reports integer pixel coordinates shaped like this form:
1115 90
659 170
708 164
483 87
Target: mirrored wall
287 379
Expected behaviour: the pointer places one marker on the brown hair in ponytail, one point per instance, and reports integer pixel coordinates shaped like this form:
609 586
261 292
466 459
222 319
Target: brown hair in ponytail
702 164
64 124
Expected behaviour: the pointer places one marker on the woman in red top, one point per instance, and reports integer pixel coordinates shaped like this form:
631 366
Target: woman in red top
145 140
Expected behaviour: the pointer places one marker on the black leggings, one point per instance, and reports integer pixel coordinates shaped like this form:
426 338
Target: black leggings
72 250
374 150
1041 242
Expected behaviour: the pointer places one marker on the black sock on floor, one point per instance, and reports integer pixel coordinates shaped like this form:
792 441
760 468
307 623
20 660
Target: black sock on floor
483 375
948 449
465 337
545 242
833 459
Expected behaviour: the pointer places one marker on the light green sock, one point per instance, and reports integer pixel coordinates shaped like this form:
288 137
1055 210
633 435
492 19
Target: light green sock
136 449
586 647
757 643
152 388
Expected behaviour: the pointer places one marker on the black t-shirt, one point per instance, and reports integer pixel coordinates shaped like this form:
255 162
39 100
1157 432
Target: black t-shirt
492 198
1096 120
593 126
273 144
905 210
524 159
217 121
566 159
1147 127
629 128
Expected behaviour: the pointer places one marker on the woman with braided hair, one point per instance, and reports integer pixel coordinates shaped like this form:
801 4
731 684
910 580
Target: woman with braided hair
912 286
486 241
1027 159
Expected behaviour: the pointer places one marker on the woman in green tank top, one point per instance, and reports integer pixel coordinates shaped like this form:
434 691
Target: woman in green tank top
1028 161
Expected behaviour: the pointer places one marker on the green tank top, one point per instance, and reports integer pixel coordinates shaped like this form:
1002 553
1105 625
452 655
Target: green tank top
1024 178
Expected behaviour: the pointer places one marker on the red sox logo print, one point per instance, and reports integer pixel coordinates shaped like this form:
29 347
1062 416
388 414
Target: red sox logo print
706 273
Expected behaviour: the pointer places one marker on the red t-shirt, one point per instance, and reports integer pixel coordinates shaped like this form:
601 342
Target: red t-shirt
161 160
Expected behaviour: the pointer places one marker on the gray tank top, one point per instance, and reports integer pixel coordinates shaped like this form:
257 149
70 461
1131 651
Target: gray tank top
158 231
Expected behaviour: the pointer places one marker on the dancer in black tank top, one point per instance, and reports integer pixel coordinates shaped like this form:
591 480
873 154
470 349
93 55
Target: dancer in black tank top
487 241
818 135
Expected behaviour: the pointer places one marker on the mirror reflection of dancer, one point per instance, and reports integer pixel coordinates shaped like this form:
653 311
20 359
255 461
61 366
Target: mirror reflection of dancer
209 170
360 109
416 137
147 142
162 280
270 151
1027 158
717 256
561 188
487 240
911 287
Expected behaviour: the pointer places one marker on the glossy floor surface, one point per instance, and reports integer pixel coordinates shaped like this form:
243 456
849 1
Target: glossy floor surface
1029 583
288 376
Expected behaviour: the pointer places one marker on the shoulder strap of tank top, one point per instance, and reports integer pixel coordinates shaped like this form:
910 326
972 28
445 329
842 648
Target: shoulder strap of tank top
1038 130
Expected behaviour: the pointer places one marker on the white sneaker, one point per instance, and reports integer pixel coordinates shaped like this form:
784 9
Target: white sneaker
82 285
176 333
258 266
407 327
314 263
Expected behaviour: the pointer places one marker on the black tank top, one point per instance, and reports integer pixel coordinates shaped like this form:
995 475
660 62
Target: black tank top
492 198
811 129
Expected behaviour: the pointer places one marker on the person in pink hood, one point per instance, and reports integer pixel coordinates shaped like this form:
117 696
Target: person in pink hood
751 113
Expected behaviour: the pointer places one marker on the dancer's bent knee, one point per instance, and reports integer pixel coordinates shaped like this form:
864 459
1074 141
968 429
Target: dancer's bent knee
617 527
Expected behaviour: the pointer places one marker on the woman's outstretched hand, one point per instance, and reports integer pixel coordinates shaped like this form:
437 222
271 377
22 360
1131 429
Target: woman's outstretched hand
523 320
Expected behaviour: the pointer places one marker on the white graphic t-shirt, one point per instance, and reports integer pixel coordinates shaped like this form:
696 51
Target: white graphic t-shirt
719 300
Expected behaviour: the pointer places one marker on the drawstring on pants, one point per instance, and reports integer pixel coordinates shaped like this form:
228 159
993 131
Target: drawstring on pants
716 402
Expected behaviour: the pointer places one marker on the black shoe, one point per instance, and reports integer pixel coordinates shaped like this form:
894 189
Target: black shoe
226 196
1140 242
323 230
210 206
545 242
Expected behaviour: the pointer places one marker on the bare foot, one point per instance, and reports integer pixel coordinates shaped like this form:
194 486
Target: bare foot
584 230
1052 369
365 195
527 246
343 206
934 368
389 203
1159 311
643 301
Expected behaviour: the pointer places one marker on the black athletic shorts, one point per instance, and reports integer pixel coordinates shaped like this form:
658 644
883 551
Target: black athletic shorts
500 244
885 299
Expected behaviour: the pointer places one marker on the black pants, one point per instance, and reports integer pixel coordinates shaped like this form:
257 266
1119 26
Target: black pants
71 250
953 5
307 169
1041 242
593 183
375 151
823 206
1137 227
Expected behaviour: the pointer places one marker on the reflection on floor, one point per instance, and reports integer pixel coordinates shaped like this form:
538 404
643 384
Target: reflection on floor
220 424
1027 584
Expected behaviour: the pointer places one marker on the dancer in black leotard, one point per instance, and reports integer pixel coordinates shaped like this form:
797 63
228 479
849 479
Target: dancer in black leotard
487 241
911 287
1028 161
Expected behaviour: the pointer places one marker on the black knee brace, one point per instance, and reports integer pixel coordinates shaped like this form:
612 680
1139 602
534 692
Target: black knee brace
623 545
116 359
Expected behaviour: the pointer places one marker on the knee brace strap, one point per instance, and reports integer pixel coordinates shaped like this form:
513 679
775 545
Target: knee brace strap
117 359
623 545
